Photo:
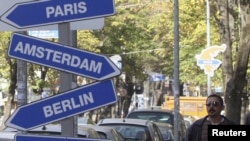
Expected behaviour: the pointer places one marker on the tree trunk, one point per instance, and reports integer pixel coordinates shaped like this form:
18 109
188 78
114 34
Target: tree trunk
234 88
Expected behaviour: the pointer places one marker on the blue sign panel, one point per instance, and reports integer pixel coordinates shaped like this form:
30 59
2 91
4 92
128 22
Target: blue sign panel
38 13
62 57
208 62
60 106
44 34
156 77
22 137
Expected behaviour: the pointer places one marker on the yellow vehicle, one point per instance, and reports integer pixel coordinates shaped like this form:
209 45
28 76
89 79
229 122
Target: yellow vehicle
193 106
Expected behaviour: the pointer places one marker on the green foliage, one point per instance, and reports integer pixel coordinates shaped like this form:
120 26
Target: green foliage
142 32
4 43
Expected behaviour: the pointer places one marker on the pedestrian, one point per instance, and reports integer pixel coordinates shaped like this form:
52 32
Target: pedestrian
247 117
198 131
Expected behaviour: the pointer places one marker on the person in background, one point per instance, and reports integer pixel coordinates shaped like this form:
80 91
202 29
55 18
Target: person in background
1 103
247 117
198 131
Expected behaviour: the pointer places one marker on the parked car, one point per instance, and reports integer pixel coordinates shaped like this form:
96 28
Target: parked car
7 136
52 130
84 120
105 132
167 131
159 115
134 129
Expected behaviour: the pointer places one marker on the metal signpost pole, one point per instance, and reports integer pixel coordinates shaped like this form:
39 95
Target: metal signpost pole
21 83
21 90
208 45
67 125
73 43
176 71
21 96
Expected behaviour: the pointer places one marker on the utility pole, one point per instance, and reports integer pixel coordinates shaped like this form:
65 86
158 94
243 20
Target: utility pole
208 45
176 71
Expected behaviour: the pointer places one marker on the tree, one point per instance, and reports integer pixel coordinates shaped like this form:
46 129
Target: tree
234 73
8 71
234 88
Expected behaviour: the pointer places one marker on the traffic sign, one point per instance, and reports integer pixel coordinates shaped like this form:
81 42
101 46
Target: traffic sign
53 12
62 57
89 24
44 34
60 106
207 61
23 137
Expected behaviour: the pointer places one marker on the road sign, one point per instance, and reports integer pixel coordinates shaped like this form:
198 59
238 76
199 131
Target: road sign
153 76
89 24
44 34
62 57
53 12
23 137
60 106
206 60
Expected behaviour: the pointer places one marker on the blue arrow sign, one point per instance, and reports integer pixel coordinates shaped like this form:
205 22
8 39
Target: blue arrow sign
38 13
209 62
70 103
22 137
61 57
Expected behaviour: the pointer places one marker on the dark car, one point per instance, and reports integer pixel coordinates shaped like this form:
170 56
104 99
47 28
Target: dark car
159 115
134 129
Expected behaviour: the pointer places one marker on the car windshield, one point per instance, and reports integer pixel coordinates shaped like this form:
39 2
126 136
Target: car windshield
153 116
131 132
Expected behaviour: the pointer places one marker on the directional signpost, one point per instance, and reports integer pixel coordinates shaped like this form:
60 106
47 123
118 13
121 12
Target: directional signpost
207 61
90 24
61 57
63 105
22 137
67 59
39 13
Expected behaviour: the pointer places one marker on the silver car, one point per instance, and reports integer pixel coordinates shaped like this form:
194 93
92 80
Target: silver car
159 115
134 129
8 134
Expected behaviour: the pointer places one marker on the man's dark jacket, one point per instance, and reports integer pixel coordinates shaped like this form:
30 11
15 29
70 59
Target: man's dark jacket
194 131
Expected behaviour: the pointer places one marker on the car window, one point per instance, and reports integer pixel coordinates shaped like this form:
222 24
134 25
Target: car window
166 133
157 134
102 135
162 117
117 136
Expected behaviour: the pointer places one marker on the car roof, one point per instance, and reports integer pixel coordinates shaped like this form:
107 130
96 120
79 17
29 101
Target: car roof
123 121
7 136
96 127
152 109
161 124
